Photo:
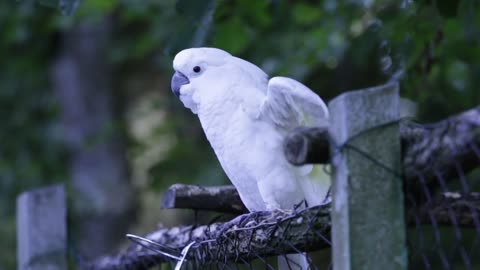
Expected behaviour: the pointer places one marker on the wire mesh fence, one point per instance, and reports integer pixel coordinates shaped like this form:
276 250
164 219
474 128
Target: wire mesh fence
442 197
441 179
251 240
443 211
442 207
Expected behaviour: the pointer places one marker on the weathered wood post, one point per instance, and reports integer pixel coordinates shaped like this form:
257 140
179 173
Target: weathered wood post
368 228
408 108
41 229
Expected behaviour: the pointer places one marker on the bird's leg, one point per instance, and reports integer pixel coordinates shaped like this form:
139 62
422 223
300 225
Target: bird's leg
301 205
241 221
286 212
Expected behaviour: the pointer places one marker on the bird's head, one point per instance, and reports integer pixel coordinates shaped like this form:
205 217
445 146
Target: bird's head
205 73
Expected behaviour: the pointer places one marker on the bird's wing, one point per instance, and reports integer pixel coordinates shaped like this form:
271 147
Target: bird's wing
290 104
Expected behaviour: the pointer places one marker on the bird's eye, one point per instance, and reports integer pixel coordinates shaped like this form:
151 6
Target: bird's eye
196 69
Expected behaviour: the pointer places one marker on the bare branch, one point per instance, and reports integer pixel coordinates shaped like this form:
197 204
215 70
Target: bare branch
439 148
427 149
217 198
449 208
307 145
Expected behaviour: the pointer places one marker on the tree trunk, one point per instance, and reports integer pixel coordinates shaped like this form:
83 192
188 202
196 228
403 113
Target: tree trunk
102 197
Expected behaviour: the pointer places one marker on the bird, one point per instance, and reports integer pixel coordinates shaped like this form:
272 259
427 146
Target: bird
246 116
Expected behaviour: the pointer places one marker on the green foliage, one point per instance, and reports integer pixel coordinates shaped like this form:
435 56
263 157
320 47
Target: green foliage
232 34
431 46
67 7
29 156
440 55
306 14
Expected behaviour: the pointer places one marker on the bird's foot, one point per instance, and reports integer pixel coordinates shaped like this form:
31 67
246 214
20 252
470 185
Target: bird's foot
285 212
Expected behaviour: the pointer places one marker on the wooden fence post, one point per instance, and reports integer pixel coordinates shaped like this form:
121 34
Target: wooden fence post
41 229
368 227
408 108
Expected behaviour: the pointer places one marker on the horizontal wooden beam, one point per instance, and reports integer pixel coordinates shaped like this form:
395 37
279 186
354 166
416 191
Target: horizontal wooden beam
438 149
247 237
307 145
216 198
449 209
266 234
427 150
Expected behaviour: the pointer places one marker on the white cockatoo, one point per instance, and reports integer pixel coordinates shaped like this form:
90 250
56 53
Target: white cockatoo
246 116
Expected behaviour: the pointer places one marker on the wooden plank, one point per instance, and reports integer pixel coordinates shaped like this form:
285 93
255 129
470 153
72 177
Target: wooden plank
368 227
41 229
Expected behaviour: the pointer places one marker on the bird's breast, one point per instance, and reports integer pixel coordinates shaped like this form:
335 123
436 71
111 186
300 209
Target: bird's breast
242 143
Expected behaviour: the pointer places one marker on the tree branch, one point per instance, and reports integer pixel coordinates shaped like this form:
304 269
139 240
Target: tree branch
307 145
217 198
449 208
428 150
438 149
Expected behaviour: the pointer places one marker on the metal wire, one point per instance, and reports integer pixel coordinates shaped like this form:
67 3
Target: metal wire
442 215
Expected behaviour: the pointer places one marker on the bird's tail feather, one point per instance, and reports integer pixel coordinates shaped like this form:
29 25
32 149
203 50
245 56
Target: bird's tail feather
317 185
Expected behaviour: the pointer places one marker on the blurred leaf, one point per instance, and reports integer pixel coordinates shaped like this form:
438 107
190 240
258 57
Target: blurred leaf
457 74
181 38
305 14
67 7
468 11
232 35
49 3
192 9
196 19
447 8
257 12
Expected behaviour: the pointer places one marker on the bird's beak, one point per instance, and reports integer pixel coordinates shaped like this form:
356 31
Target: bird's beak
178 80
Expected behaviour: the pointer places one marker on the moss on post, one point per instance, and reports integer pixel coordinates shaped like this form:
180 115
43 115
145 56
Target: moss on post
368 227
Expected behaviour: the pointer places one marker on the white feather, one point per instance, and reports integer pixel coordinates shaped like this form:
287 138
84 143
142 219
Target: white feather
245 117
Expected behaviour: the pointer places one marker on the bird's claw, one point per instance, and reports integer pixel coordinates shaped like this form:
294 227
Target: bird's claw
286 212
